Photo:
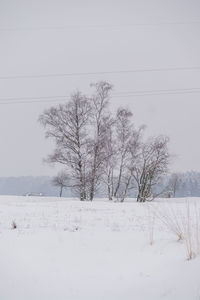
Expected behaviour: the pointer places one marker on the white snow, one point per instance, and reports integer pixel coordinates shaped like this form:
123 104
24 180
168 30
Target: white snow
64 249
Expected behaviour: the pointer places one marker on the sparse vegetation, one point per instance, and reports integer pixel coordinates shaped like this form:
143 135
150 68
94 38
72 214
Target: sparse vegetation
184 223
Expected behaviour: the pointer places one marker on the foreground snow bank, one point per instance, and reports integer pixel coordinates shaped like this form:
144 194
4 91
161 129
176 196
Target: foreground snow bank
66 249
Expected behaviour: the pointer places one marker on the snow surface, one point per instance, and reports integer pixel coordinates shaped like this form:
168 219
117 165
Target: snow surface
64 249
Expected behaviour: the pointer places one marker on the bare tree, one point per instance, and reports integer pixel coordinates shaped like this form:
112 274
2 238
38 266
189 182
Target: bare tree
151 164
124 129
133 154
100 122
67 124
110 160
62 180
122 145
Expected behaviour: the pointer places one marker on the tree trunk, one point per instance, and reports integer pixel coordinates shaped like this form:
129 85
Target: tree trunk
126 189
141 197
109 193
119 178
82 181
110 184
92 191
94 169
61 190
82 196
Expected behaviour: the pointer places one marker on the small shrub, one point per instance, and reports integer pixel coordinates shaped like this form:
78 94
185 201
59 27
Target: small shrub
172 219
14 225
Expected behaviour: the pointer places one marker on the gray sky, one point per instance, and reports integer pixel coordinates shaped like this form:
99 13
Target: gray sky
57 36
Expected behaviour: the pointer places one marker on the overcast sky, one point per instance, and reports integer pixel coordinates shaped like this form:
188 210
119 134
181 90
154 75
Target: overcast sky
60 36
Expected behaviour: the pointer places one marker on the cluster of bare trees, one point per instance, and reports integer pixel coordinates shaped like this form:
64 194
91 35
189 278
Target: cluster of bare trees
97 148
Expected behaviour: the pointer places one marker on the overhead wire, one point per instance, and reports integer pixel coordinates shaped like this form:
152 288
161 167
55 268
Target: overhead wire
57 98
96 26
48 75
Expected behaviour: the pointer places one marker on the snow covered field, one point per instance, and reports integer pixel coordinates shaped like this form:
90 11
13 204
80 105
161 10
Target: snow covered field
70 250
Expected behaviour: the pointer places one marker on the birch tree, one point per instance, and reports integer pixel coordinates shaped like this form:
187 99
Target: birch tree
110 161
67 125
100 124
123 136
150 165
134 147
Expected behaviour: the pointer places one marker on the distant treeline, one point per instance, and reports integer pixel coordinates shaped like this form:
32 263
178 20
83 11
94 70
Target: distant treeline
29 185
185 184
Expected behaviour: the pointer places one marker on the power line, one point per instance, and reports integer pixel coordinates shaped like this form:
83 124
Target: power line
98 26
30 102
100 73
163 91
115 95
159 93
33 98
